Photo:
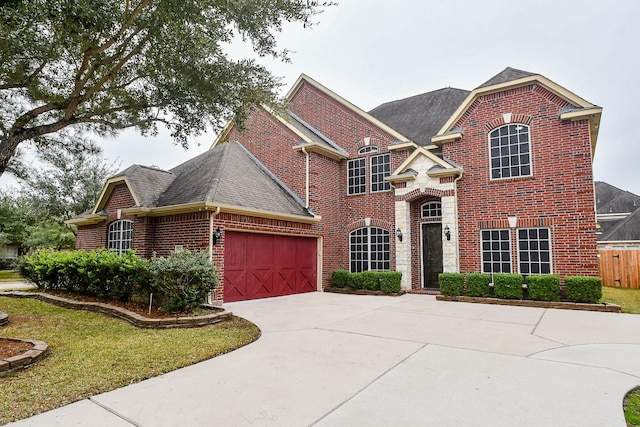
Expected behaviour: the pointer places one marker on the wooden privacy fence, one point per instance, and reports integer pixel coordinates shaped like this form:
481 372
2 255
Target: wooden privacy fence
620 267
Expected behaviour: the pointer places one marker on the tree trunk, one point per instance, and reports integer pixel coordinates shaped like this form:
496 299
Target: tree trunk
8 147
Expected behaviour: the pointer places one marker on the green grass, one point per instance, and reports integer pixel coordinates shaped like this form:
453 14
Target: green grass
632 407
10 276
628 299
90 353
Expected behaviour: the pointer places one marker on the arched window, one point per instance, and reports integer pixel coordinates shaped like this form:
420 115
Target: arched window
431 210
368 149
120 237
510 151
369 249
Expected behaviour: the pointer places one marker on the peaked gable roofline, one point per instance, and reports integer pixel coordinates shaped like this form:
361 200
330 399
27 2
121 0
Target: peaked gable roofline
445 168
585 110
306 79
107 189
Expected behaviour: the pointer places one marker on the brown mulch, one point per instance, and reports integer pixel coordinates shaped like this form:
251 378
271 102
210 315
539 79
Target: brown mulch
136 307
10 348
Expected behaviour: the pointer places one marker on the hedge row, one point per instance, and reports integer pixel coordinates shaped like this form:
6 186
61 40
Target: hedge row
385 281
179 282
509 286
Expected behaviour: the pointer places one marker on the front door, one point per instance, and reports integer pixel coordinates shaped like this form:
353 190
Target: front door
431 254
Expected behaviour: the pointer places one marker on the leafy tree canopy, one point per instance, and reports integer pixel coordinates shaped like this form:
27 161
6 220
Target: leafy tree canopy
105 65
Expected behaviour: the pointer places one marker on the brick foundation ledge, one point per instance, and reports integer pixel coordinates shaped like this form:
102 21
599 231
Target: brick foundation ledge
360 292
217 315
605 307
28 358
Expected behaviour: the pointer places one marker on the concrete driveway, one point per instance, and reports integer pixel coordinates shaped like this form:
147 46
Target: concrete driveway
342 360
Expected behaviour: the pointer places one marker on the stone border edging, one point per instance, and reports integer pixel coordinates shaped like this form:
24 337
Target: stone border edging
4 318
604 307
29 357
131 317
360 292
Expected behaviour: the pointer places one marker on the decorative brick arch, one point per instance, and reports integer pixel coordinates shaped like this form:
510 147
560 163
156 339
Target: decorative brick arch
432 192
525 119
374 223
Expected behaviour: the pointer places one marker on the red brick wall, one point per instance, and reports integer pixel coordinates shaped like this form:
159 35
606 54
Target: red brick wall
559 194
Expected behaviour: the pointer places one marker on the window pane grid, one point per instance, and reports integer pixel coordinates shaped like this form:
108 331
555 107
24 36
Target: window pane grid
380 169
534 251
120 236
356 179
432 210
369 249
510 151
495 251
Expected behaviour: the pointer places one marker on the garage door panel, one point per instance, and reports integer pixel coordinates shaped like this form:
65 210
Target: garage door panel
263 265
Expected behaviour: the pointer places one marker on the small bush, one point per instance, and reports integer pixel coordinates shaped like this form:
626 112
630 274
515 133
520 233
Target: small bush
390 281
507 286
340 278
183 280
451 284
357 281
544 287
478 284
583 289
370 280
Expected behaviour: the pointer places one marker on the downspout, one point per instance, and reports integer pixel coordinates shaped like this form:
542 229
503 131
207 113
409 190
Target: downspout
304 150
455 195
211 218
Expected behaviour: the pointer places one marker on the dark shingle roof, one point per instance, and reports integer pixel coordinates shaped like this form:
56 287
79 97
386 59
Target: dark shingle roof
420 117
610 199
626 229
147 183
228 174
506 75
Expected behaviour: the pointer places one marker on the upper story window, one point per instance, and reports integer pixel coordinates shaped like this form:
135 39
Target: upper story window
120 237
369 249
357 176
380 169
431 210
510 151
368 149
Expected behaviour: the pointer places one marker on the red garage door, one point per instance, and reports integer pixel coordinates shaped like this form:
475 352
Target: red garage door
265 265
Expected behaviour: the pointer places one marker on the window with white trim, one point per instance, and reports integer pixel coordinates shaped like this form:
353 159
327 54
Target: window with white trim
369 249
534 251
357 176
368 149
510 151
496 251
380 169
431 210
120 236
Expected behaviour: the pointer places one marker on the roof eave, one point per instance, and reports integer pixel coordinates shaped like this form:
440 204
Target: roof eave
90 219
592 114
444 172
448 137
403 146
314 147
394 179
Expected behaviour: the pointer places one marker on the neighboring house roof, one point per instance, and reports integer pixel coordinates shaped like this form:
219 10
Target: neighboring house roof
420 117
624 230
618 213
227 177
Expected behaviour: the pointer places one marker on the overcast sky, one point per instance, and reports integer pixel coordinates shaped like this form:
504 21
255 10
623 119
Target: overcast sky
375 51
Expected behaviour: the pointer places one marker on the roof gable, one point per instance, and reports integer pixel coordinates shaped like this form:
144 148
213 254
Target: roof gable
625 230
421 116
507 75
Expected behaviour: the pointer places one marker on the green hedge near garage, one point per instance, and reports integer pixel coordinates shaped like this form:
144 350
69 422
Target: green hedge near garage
384 281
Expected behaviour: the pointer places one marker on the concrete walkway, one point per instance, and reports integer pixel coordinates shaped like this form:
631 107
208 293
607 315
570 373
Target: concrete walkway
16 286
344 360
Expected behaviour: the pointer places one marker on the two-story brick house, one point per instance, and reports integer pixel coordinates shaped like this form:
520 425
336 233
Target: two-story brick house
498 179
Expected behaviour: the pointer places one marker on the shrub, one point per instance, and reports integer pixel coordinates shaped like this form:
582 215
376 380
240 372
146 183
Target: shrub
357 281
390 281
451 284
583 289
507 286
340 278
370 280
544 287
43 268
183 280
478 284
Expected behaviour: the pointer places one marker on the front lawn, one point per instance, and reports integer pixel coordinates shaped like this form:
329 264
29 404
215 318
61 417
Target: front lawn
90 353
628 299
10 276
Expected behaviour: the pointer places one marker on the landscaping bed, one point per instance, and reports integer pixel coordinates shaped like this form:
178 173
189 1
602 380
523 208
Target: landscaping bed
604 307
361 291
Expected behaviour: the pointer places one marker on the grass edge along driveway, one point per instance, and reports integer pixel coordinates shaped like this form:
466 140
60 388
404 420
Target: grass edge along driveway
90 353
